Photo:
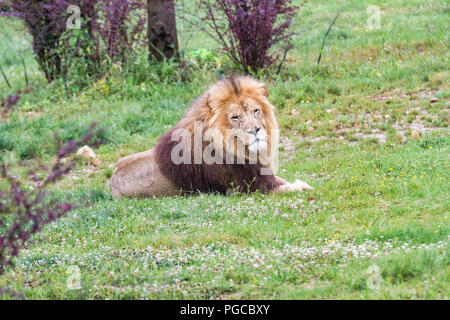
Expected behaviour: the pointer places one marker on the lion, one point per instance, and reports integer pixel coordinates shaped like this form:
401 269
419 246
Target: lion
225 143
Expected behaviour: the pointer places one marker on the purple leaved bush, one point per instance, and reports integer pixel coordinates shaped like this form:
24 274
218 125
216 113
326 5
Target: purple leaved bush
123 26
247 30
108 29
45 21
7 104
25 204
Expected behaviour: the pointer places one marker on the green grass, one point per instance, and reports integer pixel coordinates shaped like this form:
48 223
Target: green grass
361 128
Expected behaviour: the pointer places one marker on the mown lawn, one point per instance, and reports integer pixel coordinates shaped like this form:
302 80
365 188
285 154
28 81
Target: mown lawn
367 128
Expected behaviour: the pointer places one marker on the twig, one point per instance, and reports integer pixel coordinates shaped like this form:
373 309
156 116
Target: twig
286 49
326 35
66 89
25 72
4 77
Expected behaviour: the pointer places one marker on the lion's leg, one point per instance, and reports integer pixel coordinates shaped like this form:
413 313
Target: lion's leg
296 186
139 175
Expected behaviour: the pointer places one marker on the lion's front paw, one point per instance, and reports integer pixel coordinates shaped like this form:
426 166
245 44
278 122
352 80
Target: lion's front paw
297 186
300 186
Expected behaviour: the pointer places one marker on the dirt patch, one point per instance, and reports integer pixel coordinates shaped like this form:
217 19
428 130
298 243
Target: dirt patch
31 113
317 139
381 136
86 172
397 94
287 145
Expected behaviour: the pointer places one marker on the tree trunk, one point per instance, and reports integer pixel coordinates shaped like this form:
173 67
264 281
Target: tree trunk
162 29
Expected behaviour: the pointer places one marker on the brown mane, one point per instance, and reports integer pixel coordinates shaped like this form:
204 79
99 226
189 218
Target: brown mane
211 177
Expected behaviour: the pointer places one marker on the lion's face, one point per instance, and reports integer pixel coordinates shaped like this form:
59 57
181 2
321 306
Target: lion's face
246 122
240 110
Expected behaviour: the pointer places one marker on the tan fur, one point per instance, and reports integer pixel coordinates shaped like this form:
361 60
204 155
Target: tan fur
140 175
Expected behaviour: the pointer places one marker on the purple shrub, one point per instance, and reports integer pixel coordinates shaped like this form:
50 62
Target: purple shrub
12 293
245 29
24 210
7 104
12 99
109 29
121 30
45 20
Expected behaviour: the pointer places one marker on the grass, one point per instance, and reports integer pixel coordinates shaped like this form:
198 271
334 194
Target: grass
363 127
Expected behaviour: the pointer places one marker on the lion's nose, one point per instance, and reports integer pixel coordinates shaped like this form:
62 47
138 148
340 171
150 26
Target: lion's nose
254 131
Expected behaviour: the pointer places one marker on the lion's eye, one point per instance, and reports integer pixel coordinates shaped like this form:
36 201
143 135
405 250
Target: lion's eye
256 111
235 118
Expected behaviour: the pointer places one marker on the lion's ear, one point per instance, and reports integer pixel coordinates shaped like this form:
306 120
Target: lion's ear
266 92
